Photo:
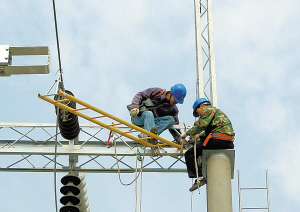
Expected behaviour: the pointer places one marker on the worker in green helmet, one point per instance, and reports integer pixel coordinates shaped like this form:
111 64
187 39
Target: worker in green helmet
214 131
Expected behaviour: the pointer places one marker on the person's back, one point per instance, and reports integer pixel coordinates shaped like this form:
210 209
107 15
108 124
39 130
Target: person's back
219 123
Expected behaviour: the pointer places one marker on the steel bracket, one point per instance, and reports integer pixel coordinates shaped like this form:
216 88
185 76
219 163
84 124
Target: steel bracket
6 56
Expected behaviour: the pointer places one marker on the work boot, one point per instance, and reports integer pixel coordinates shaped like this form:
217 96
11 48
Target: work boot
142 135
154 130
202 181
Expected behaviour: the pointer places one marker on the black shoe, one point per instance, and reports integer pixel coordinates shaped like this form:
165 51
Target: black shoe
202 181
154 130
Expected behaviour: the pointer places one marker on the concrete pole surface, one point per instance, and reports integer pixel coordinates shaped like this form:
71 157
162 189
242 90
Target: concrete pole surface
219 191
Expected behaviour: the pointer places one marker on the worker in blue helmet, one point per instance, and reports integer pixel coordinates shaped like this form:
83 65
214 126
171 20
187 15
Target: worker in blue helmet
155 110
213 130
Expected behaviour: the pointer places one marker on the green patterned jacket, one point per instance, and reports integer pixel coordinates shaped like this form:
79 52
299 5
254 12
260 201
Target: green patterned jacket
212 120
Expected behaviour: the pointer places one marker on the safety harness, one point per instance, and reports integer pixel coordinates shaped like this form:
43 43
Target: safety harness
147 104
161 93
220 136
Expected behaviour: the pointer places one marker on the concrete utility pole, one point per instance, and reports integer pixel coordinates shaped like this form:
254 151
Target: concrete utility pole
218 166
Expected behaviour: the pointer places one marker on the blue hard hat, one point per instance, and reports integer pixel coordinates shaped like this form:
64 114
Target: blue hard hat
178 91
196 105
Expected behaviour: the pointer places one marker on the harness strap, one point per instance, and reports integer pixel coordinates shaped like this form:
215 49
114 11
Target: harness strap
164 90
220 136
207 139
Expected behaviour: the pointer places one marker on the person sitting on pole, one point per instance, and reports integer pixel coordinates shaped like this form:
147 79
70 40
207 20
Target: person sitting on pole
155 110
213 130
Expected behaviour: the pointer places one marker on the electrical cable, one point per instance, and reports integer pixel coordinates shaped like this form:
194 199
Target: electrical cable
57 40
61 86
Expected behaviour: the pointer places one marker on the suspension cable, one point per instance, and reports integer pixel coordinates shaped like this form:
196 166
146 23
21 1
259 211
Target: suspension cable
60 85
57 42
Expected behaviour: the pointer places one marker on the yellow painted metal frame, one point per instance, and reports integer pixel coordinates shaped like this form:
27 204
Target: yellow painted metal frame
111 127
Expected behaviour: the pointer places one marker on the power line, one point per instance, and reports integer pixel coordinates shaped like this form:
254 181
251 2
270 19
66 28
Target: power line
60 85
57 42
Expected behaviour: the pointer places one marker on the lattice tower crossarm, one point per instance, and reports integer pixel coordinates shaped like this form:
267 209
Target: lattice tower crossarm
29 147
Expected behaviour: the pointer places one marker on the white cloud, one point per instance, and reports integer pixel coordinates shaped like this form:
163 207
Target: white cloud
285 164
112 49
266 115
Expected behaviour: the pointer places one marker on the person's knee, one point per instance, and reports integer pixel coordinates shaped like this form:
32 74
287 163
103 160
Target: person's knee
147 114
170 120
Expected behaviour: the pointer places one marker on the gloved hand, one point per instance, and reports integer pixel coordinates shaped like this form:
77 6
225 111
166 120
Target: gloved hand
183 135
134 112
183 143
192 140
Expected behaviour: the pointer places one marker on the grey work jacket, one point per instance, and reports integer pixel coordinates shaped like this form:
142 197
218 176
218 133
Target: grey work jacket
166 110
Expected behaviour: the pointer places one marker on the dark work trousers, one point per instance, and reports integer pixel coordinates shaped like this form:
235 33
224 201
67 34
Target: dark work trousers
190 158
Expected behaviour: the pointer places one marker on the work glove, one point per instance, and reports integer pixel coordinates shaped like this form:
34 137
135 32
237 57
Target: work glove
183 142
134 112
196 138
192 140
183 135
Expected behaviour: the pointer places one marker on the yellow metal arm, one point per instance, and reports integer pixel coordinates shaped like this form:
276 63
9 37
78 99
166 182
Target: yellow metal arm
111 127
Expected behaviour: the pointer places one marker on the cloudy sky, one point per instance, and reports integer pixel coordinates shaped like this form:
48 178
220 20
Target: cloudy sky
110 50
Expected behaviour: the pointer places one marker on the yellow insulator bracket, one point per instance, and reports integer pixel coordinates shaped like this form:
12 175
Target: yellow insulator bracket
105 114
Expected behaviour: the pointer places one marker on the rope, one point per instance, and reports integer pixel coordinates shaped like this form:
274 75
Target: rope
136 176
196 165
155 150
183 142
119 172
55 152
141 185
141 189
192 198
136 198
